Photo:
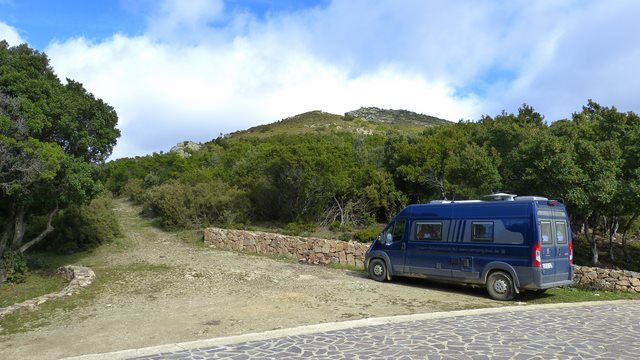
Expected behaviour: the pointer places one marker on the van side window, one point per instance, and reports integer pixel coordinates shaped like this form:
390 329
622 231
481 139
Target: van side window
561 232
545 232
398 230
482 231
428 230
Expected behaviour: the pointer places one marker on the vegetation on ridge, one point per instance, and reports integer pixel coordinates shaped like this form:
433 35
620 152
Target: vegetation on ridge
346 180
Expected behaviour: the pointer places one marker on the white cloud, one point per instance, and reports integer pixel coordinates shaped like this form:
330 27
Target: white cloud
201 69
165 94
10 34
590 52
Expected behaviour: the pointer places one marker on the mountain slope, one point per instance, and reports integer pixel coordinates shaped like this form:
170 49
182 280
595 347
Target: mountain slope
366 121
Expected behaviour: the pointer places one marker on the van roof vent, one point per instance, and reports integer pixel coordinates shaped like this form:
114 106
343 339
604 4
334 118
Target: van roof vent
502 196
529 198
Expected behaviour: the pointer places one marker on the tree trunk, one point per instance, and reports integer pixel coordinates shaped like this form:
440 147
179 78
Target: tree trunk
7 229
340 209
593 247
18 227
625 231
613 233
49 228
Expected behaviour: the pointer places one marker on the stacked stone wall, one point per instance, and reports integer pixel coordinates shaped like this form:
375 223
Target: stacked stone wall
304 249
607 279
78 277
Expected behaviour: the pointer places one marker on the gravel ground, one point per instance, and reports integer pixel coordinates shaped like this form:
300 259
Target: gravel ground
166 290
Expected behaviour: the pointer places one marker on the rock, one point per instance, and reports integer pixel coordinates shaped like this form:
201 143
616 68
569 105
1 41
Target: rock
624 283
186 148
592 275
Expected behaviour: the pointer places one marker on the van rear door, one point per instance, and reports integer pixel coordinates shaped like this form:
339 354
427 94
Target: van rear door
548 250
562 238
555 237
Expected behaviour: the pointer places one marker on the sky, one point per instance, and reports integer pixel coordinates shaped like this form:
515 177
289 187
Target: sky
179 70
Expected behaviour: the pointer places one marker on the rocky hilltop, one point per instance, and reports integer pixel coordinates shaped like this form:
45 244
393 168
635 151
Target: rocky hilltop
375 114
185 148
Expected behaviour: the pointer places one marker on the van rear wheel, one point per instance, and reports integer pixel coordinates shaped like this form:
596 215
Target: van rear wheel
378 270
500 286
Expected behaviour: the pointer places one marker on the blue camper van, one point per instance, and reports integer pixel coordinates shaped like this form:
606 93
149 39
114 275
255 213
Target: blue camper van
509 244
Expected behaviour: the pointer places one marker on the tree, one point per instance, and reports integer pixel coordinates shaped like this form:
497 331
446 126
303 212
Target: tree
52 135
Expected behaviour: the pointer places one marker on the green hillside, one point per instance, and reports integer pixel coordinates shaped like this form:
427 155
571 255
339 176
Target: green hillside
365 121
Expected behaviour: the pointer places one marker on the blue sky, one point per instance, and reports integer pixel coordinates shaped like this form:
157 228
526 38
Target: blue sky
192 69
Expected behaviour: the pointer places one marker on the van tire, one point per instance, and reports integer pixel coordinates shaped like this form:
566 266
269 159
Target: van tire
500 286
378 270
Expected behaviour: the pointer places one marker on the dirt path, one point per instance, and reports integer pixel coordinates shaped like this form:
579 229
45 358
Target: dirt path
158 289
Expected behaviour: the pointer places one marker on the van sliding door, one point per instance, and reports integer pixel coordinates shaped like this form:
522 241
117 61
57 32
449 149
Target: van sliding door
428 252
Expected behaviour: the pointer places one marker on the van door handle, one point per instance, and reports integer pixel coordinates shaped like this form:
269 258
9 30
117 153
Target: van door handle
403 246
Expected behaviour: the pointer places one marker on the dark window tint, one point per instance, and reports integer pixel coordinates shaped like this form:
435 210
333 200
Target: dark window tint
482 231
428 231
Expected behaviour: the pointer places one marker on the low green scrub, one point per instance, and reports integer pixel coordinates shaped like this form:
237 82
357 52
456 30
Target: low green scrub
13 267
186 206
135 191
367 235
35 284
84 228
300 229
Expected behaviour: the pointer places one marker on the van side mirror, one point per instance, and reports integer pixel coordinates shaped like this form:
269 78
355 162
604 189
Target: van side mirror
389 239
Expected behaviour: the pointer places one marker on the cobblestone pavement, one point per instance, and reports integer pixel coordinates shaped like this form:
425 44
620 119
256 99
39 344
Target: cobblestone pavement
609 331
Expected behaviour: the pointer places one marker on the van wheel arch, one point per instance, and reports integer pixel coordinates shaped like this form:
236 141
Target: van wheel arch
500 285
500 266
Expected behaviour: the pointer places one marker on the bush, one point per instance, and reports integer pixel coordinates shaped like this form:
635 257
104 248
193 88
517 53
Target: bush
13 267
299 229
367 235
135 191
84 227
335 226
183 206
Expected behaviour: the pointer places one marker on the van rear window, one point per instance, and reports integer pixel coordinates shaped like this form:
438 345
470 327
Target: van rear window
545 232
482 231
428 230
561 232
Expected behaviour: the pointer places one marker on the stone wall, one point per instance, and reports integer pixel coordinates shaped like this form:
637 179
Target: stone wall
607 279
304 249
78 277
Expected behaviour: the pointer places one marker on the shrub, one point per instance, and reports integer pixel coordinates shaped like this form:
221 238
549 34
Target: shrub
367 234
334 226
13 267
150 180
183 206
135 191
85 227
299 229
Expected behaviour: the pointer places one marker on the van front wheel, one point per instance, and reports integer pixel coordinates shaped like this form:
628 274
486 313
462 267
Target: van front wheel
500 286
378 270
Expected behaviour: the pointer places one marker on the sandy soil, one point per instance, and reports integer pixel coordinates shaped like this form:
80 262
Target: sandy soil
166 290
